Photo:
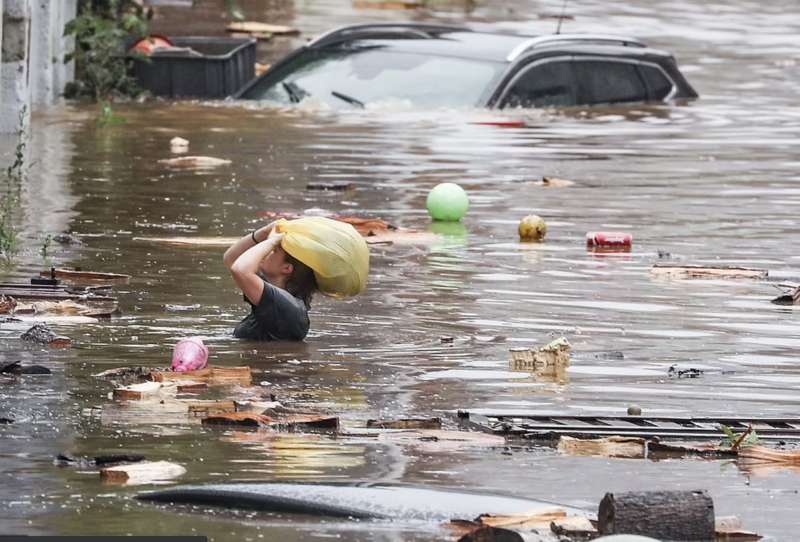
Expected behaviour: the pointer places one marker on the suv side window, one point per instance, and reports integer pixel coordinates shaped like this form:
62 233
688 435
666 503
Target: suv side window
541 85
658 85
608 82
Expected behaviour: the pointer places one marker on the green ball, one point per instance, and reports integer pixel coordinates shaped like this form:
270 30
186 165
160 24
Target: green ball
447 202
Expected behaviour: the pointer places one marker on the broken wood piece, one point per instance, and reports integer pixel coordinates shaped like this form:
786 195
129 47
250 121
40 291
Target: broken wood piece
194 162
7 304
523 521
339 186
192 387
66 307
729 529
305 421
142 473
86 277
551 360
213 376
682 449
241 419
406 423
125 373
574 528
209 408
137 392
664 515
256 406
42 334
792 297
555 182
762 454
254 27
615 446
710 272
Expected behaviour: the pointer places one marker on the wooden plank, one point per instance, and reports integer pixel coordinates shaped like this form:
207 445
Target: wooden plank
142 473
56 295
137 392
210 375
192 387
208 408
406 423
615 446
87 277
703 271
238 419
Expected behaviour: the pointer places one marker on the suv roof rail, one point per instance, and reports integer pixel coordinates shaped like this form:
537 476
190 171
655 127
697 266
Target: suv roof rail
550 39
416 30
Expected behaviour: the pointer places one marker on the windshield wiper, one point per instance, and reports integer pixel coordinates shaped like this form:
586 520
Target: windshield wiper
295 92
348 99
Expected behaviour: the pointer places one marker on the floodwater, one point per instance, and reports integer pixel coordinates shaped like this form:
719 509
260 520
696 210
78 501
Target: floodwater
714 182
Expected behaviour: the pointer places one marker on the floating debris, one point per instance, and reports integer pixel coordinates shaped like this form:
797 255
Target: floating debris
142 473
551 360
178 145
707 272
42 334
339 186
64 460
691 372
211 375
406 423
664 515
791 297
532 228
615 446
195 162
555 182
16 368
76 276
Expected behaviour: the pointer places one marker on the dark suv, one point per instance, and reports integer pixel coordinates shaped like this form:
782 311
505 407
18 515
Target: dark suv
433 65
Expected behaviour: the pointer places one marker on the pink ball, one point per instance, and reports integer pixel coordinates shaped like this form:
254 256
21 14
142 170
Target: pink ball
189 355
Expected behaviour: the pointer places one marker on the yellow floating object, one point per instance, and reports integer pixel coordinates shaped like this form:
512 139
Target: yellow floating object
335 251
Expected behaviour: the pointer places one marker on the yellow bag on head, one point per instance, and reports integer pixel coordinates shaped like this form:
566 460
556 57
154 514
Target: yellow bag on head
334 250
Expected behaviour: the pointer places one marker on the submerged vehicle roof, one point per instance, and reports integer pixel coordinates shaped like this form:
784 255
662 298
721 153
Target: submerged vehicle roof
462 42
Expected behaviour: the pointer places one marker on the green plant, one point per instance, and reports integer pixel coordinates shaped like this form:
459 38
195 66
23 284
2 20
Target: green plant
108 117
102 68
12 193
734 440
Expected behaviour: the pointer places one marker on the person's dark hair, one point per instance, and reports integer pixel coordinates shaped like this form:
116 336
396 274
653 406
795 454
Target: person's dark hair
301 283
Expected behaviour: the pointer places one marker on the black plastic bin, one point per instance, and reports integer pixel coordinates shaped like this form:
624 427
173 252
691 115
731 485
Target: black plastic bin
198 67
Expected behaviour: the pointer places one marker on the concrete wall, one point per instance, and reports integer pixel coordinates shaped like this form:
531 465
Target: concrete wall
32 69
14 62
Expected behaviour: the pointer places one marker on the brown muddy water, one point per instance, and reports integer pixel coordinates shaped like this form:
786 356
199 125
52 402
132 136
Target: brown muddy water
715 181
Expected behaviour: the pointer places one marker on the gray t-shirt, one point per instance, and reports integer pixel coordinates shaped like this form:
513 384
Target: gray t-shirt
279 316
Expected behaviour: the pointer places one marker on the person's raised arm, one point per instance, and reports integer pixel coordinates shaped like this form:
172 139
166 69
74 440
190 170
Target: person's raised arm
247 241
245 269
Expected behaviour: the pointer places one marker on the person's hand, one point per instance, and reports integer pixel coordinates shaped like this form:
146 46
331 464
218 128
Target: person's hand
275 236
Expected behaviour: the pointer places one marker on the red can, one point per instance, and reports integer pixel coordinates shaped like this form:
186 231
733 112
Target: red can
609 239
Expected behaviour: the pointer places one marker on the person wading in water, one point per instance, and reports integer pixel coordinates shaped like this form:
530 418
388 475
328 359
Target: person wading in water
277 287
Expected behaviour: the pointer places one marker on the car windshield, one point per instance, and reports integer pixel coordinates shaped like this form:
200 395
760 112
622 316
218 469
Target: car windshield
354 77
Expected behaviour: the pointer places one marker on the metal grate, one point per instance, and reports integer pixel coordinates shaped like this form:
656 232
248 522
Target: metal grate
546 426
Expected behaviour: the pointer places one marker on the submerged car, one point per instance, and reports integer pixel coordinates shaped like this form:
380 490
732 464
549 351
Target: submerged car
430 65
